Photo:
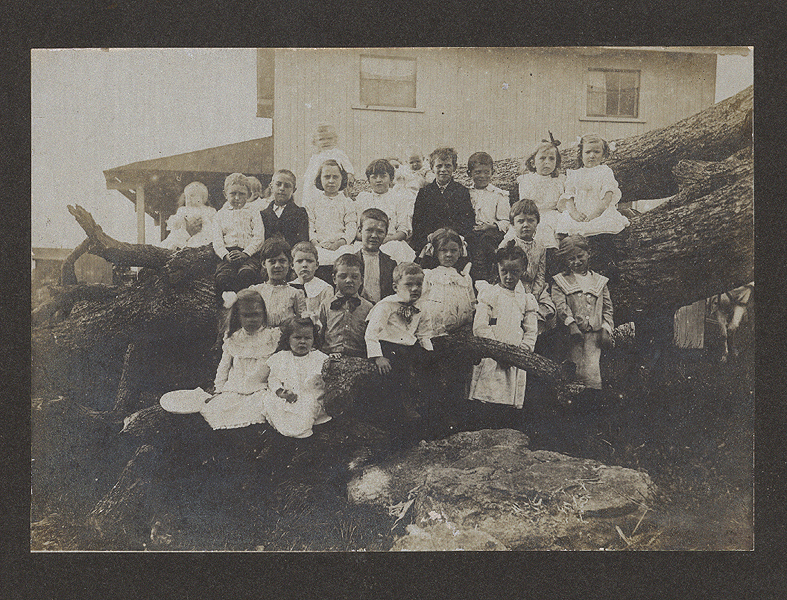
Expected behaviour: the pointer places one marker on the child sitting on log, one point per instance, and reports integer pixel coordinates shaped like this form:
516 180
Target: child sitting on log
281 300
192 225
239 383
238 234
294 377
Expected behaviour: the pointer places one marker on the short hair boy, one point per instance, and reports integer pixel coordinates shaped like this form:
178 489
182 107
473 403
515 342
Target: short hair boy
282 217
238 235
343 314
396 324
444 203
305 263
378 266
491 207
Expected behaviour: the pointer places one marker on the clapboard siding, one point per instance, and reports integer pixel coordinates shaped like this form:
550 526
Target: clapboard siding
499 100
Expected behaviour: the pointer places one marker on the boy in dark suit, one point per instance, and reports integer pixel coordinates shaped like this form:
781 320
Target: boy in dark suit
283 218
378 266
444 203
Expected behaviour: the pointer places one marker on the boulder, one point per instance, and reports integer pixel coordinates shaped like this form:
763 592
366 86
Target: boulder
485 490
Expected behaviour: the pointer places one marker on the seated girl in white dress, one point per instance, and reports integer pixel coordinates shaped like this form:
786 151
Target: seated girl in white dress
592 193
237 400
293 402
399 208
192 225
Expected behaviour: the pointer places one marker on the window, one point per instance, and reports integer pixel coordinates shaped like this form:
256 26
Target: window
388 81
613 93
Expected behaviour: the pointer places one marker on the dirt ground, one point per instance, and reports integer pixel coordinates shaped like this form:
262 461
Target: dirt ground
680 415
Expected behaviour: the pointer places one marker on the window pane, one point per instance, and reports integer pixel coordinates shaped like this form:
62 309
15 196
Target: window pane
612 93
388 81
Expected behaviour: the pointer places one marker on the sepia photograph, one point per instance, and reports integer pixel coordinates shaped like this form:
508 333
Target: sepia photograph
392 299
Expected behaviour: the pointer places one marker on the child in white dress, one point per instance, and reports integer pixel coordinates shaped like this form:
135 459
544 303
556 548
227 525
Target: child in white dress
448 295
293 402
399 208
192 225
592 193
543 183
419 172
333 220
237 400
281 300
507 313
325 140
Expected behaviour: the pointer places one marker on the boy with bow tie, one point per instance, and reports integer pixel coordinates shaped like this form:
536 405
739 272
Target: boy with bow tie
396 324
343 314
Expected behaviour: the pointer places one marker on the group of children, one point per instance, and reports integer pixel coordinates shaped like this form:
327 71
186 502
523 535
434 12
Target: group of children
405 260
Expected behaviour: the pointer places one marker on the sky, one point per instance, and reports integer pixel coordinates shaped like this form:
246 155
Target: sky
94 110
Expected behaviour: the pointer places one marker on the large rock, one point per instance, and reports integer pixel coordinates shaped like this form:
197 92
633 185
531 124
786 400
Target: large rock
485 490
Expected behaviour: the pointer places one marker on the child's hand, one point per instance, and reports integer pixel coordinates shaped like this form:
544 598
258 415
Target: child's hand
583 323
236 255
287 395
606 339
574 330
335 356
193 226
383 365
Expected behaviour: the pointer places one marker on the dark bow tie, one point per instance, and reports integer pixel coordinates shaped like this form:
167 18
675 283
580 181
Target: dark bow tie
407 311
299 286
340 301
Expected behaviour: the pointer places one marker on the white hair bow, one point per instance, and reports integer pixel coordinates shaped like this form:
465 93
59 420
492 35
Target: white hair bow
229 298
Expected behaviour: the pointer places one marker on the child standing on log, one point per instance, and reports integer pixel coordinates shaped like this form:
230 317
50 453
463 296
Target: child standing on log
294 377
239 383
584 306
505 312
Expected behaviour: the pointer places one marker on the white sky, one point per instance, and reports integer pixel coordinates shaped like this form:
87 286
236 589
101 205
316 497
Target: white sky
93 110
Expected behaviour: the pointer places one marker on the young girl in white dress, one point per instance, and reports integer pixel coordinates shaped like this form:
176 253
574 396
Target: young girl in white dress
507 313
333 219
325 141
237 400
192 225
592 193
448 293
281 300
543 184
295 386
394 203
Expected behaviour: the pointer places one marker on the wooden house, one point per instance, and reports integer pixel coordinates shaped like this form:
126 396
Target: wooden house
383 101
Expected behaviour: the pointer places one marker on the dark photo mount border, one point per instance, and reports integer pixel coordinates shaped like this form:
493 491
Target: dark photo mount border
758 574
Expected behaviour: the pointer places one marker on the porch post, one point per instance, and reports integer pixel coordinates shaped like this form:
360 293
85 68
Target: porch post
162 224
140 213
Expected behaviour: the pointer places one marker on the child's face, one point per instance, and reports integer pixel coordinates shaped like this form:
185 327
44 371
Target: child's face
510 272
237 195
348 280
331 179
481 176
381 182
416 162
448 253
443 169
545 161
301 340
195 197
305 265
277 268
282 188
525 226
578 262
252 316
326 140
409 287
373 234
592 154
